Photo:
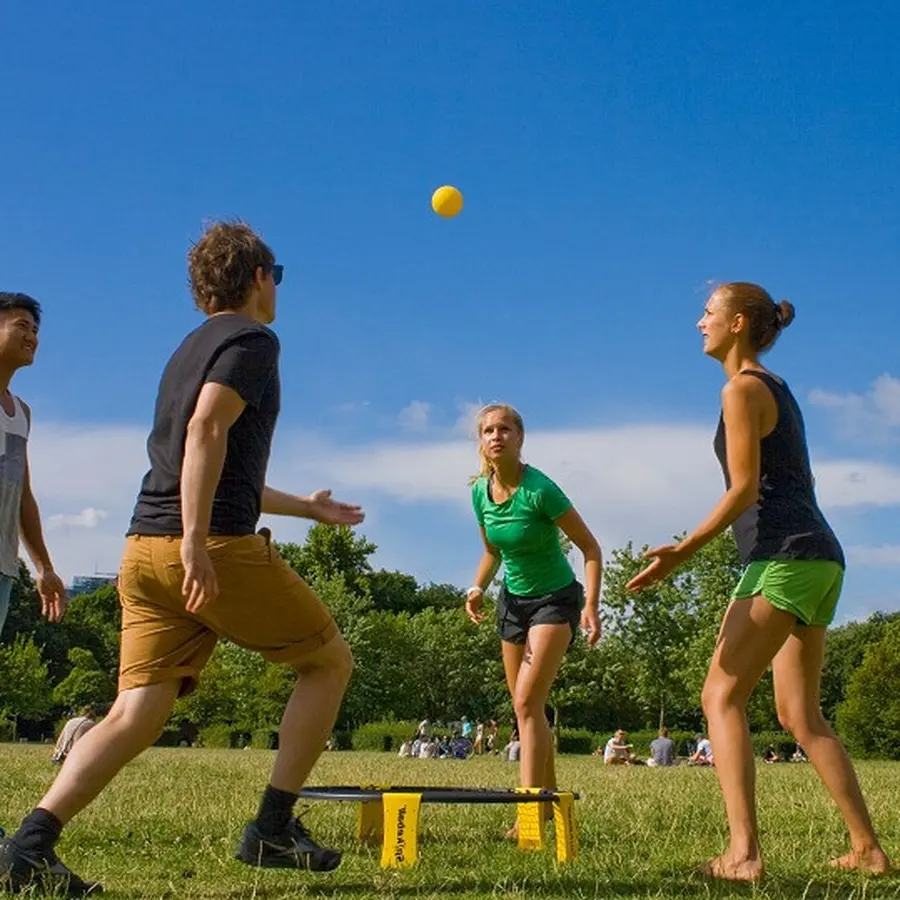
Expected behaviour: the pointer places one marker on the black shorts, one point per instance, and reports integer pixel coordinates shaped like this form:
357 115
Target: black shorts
515 614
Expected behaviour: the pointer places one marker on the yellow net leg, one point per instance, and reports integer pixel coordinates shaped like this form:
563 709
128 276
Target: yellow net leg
566 831
401 830
530 821
370 821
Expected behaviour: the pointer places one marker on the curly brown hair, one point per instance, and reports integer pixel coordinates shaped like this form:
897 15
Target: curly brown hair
221 265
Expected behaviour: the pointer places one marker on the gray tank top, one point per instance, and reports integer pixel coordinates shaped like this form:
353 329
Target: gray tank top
13 443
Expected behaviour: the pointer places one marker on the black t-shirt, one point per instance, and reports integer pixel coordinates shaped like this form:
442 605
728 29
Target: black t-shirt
236 352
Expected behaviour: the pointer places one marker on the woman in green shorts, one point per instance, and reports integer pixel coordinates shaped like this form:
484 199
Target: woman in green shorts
787 594
520 512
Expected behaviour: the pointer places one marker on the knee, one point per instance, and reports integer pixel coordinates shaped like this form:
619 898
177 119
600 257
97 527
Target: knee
142 726
527 707
719 695
800 721
335 661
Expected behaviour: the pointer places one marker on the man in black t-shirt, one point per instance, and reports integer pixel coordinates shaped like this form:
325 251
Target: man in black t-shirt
195 569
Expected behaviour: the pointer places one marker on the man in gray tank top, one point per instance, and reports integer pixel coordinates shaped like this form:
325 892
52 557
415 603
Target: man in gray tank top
20 318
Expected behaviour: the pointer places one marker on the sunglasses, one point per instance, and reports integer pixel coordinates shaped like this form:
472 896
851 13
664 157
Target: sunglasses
277 273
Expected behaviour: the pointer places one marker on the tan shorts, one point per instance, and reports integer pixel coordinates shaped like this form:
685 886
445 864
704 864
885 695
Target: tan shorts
263 605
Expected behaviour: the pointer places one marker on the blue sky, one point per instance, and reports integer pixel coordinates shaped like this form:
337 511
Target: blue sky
614 159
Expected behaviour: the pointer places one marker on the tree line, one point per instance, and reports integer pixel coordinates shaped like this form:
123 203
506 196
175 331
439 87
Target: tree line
418 656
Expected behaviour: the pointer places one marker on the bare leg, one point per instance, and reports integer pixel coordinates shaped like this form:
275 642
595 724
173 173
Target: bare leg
513 655
544 652
752 633
311 712
135 721
797 669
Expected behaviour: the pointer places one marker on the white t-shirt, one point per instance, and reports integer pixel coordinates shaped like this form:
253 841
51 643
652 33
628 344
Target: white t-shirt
704 748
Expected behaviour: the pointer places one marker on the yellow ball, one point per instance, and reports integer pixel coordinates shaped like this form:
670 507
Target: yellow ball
447 201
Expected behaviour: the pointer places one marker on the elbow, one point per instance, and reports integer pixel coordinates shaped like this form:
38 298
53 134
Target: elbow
592 552
204 430
745 495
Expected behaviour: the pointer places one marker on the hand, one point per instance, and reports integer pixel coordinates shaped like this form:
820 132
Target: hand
52 592
474 599
200 585
665 561
590 624
323 509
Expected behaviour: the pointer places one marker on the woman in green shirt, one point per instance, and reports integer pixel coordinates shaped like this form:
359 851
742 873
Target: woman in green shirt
520 512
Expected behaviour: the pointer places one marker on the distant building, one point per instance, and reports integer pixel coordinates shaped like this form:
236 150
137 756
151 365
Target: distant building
87 584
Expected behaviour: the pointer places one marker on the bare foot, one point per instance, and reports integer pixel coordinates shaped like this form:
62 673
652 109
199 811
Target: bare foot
513 833
730 868
872 862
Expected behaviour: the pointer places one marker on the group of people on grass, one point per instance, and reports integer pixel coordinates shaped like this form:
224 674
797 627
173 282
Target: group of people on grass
196 567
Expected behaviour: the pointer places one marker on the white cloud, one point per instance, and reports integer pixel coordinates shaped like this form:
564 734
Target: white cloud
873 415
87 518
352 406
415 417
884 555
465 422
640 482
86 478
857 483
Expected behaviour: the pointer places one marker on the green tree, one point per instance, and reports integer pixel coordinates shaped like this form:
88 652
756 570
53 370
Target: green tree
25 690
869 717
655 626
331 551
594 687
844 650
393 591
440 596
85 684
94 621
672 628
25 620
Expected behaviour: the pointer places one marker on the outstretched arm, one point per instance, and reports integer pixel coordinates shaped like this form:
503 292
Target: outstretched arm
742 414
318 506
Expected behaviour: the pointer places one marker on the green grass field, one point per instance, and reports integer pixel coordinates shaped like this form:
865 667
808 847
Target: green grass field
168 827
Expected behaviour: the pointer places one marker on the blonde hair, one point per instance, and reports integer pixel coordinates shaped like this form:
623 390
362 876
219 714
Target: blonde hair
486 469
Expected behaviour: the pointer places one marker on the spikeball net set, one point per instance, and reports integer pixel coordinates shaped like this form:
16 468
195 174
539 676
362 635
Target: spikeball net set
389 815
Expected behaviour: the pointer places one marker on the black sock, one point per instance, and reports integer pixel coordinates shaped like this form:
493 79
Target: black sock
39 831
275 810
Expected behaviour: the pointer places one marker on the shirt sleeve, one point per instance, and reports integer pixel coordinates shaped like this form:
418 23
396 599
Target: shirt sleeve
477 504
246 365
551 499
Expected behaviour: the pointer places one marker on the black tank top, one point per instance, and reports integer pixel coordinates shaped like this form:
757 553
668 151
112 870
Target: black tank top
786 522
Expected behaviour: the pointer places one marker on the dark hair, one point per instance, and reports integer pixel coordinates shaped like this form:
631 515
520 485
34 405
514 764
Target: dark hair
766 317
222 265
21 301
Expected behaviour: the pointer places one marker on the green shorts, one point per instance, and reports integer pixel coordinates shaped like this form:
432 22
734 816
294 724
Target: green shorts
806 588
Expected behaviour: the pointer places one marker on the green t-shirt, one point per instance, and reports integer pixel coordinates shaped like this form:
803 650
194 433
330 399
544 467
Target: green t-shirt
523 528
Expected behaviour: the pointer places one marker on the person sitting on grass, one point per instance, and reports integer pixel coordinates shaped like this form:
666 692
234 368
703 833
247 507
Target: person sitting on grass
617 751
662 750
771 755
703 755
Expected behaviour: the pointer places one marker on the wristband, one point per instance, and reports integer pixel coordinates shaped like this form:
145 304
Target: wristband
474 590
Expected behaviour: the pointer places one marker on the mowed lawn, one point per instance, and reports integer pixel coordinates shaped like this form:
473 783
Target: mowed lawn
168 828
